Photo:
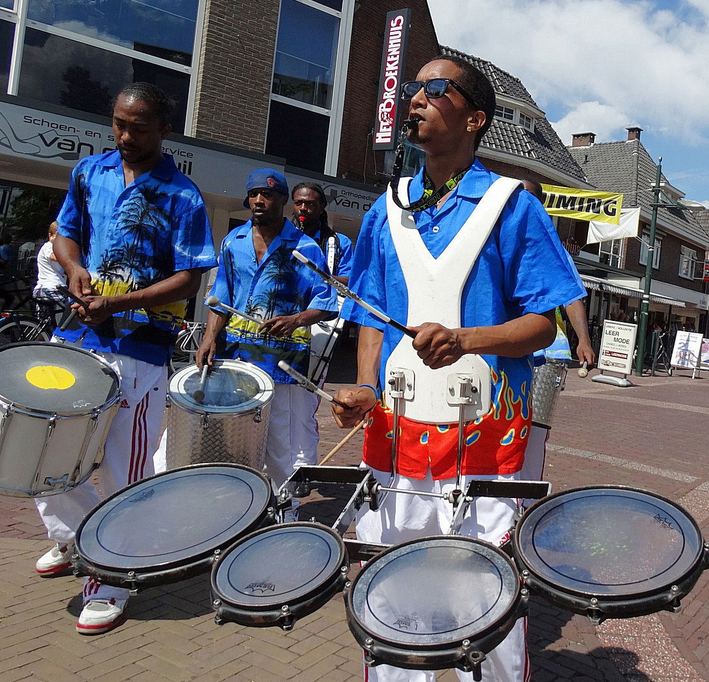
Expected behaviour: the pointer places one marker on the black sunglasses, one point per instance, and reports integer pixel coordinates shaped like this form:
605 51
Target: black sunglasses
433 89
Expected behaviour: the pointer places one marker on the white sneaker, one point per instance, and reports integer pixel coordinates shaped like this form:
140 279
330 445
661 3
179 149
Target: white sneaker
101 615
55 561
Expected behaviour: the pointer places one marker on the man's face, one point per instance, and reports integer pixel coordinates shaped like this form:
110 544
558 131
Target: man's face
138 130
441 121
266 205
307 204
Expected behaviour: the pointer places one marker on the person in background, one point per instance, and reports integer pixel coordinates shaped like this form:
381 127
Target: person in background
50 273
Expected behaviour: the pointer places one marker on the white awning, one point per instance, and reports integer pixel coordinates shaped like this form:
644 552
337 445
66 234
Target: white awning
598 284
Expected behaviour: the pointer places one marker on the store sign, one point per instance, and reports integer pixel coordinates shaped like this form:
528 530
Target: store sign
393 57
582 204
687 350
617 346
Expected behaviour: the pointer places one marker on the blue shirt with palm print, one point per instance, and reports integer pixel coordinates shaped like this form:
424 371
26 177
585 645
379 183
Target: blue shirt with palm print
278 285
130 238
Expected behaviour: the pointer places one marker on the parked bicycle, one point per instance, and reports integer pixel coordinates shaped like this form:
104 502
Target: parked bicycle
188 340
18 326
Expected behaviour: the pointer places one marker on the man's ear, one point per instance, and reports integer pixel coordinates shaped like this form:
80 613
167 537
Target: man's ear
165 130
476 120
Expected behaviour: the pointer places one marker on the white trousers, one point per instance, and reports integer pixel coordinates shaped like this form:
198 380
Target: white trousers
292 432
534 457
407 517
128 451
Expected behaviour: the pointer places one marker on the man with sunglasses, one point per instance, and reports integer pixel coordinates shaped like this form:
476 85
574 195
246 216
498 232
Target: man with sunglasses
474 267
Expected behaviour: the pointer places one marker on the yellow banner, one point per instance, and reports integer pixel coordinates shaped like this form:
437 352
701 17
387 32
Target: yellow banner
582 204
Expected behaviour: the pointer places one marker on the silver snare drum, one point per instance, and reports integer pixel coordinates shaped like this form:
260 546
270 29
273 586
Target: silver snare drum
56 406
547 384
229 425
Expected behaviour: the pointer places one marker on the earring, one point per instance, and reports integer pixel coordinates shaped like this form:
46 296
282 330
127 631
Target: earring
469 129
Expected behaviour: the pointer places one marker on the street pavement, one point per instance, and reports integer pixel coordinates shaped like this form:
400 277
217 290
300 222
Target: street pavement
650 436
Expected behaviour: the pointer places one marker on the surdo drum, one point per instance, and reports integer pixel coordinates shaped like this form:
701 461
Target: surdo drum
609 552
56 406
172 525
230 424
547 383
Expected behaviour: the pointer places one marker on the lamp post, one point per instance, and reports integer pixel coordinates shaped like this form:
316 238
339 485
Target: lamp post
645 305
684 205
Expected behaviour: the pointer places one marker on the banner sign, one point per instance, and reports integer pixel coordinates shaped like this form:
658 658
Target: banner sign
388 101
599 231
617 346
582 204
687 350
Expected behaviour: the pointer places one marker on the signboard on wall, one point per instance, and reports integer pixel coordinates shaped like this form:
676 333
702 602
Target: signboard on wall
687 350
617 346
388 101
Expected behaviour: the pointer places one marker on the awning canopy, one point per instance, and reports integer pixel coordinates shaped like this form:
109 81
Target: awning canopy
598 284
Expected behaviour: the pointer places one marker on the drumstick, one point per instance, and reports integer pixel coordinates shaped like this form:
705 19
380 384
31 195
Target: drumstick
583 370
214 302
348 293
198 395
340 445
309 385
65 291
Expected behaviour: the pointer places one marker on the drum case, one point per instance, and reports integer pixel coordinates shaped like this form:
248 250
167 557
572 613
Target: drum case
464 654
286 614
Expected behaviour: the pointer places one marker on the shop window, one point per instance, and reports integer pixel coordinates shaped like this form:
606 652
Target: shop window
611 253
162 29
687 261
7 32
305 54
298 135
65 72
643 250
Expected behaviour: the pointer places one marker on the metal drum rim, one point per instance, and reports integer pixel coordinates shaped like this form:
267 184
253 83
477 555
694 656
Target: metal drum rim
259 401
166 565
33 411
510 610
521 557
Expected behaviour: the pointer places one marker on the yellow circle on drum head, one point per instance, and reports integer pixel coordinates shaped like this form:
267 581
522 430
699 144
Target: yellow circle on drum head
50 376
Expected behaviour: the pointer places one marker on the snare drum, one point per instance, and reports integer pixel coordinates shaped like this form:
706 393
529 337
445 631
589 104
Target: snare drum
434 603
229 425
171 526
547 383
607 551
56 406
277 575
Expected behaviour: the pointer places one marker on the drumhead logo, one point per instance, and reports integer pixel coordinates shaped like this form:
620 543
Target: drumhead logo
262 587
407 622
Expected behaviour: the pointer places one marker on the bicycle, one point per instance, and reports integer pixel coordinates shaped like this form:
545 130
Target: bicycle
18 327
186 345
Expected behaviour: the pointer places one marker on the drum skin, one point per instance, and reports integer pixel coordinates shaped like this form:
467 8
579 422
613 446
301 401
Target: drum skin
171 526
547 383
609 551
276 575
229 425
434 603
56 406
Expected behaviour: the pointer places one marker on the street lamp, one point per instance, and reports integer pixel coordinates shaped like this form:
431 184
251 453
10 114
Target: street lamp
684 205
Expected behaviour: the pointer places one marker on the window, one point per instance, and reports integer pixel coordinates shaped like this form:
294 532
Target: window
7 4
162 29
687 261
505 113
69 73
7 33
611 253
643 250
526 121
305 54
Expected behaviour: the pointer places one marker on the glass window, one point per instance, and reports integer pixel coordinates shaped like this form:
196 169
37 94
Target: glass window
687 260
611 253
66 72
643 250
505 113
332 4
305 54
526 121
163 28
7 4
298 135
7 33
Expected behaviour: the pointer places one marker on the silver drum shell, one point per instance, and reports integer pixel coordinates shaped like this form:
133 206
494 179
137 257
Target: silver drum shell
547 383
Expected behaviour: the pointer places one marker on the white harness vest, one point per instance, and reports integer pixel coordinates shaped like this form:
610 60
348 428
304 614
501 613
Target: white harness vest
435 289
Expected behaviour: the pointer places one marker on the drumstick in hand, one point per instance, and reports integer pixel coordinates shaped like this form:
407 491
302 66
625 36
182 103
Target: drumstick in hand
309 385
198 395
64 291
214 302
583 370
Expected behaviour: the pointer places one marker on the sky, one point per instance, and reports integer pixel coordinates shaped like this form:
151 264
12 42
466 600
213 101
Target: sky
601 66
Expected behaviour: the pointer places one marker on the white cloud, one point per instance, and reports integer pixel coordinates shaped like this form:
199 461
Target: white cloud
591 117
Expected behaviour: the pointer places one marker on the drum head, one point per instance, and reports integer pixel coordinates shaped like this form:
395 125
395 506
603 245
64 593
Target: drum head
52 378
231 386
434 592
285 564
607 542
174 517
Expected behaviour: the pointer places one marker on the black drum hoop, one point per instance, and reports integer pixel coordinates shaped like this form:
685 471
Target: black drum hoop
171 571
601 606
284 615
466 654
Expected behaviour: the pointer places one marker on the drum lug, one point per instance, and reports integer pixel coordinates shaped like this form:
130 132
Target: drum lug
287 619
675 606
133 586
594 614
474 658
257 415
204 421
